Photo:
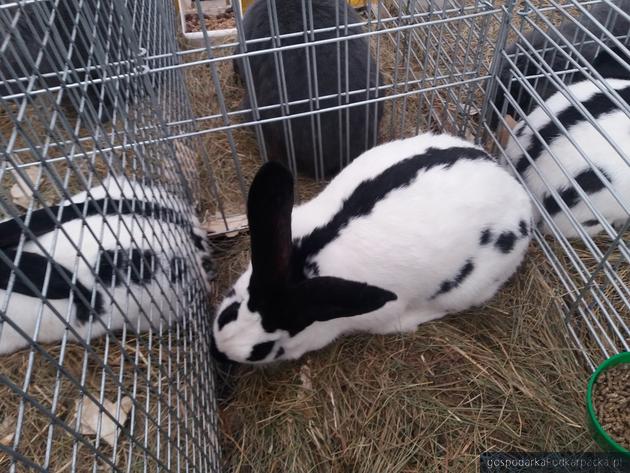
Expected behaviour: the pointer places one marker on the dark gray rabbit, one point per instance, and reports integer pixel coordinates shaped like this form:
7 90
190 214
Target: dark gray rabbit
571 31
343 137
80 38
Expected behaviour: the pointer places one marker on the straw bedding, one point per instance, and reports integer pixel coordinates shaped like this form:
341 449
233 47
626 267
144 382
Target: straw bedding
501 377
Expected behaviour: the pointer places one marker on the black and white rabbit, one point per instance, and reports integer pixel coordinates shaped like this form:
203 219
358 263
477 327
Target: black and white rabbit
411 230
569 30
130 255
610 169
342 138
82 36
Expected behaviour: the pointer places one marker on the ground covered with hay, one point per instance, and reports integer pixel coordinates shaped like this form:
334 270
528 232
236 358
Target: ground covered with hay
503 377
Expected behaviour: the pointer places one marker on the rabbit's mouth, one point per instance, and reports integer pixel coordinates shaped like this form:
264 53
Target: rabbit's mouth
217 354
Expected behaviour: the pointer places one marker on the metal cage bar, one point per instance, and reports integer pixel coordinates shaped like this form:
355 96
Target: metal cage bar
94 118
101 97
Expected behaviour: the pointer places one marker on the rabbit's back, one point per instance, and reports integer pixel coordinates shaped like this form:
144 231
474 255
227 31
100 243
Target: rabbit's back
558 155
128 257
330 59
446 210
318 75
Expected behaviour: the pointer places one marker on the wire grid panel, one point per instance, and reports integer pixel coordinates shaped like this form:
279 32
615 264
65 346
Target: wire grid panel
441 66
410 66
104 272
564 78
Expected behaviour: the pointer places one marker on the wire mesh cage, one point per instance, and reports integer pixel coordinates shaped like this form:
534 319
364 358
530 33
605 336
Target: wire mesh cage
116 135
563 80
398 68
104 269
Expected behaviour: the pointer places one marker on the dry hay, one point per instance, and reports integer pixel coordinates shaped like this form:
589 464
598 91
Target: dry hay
71 156
502 377
600 306
142 372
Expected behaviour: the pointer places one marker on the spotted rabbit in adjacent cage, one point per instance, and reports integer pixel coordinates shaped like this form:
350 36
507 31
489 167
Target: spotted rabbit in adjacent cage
121 254
558 161
578 32
323 73
411 230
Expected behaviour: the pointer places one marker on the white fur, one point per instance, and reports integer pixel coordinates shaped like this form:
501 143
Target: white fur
591 143
142 306
414 239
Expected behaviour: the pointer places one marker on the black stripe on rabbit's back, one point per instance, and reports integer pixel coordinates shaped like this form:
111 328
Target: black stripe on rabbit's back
580 151
590 183
330 78
368 193
42 221
598 105
59 286
538 40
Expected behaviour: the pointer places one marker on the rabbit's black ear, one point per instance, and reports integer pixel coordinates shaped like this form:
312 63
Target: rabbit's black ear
326 298
269 207
611 68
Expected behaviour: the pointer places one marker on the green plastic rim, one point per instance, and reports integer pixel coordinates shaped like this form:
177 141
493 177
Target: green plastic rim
599 434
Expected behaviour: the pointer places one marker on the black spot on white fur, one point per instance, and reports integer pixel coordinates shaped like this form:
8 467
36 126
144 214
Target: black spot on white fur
587 180
505 242
114 265
178 269
60 284
142 264
451 284
523 228
279 353
486 236
228 314
591 223
108 265
371 191
260 351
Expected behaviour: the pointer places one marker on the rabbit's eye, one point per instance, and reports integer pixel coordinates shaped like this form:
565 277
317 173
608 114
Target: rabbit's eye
260 351
228 314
